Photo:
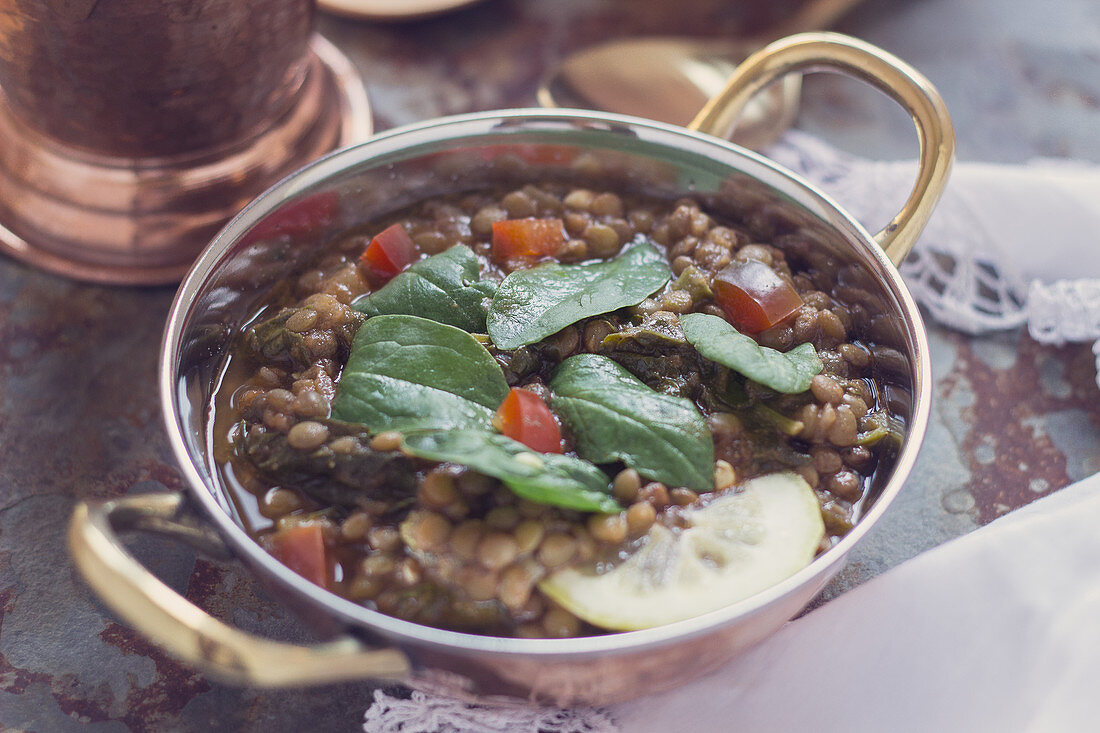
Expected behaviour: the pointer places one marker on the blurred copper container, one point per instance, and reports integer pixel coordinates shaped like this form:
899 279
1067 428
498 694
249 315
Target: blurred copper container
131 130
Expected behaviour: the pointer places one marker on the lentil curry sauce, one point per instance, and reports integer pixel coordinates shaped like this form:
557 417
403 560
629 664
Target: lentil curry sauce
325 483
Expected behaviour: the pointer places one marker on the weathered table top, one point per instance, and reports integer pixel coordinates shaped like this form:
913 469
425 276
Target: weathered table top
1012 420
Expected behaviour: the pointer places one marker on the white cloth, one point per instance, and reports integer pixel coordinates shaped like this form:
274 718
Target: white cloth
996 631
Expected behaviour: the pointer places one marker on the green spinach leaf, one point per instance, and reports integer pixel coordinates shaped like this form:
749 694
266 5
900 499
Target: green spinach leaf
713 337
444 288
615 417
544 478
532 304
408 373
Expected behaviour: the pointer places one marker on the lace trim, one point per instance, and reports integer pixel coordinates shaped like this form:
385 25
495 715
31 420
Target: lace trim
424 712
1067 310
955 272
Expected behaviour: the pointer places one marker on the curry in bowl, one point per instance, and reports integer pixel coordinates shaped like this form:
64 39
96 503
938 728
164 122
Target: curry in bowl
552 411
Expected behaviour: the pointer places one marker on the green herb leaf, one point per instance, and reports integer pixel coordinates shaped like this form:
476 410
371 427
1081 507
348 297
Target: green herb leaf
615 417
532 304
272 341
344 478
717 340
657 334
544 478
444 288
408 373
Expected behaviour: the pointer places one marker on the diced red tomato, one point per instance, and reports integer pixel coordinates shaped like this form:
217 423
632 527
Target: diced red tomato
523 416
298 219
753 295
302 549
390 252
527 238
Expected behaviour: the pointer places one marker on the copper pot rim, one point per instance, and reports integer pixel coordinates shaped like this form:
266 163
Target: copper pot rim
659 135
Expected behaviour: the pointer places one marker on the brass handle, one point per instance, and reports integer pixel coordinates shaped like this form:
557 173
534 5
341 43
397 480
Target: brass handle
188 632
900 81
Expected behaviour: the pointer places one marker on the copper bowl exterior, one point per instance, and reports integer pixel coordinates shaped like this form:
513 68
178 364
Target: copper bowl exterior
227 279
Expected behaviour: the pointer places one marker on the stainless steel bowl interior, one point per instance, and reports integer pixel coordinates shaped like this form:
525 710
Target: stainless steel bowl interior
464 153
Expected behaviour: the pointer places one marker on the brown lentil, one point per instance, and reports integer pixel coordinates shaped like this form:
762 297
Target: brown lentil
844 428
757 252
656 494
858 457
579 199
684 248
278 502
384 539
516 584
307 435
610 528
856 356
386 440
606 204
626 485
724 475
363 588
556 549
826 460
682 263
560 624
676 301
845 484
427 531
639 518
311 404
683 497
519 205
483 220
376 566
465 539
480 584
826 389
603 241
407 572
528 534
354 527
594 334
302 320
438 490
573 250
496 550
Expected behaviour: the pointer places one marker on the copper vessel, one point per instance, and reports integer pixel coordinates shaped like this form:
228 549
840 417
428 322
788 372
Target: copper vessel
412 163
131 130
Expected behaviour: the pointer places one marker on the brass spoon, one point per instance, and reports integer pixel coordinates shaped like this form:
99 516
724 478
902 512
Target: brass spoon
670 79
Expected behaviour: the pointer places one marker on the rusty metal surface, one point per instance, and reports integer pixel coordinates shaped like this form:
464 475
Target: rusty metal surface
1012 420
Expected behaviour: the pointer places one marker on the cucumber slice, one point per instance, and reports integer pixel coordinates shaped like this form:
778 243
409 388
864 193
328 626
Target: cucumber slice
741 543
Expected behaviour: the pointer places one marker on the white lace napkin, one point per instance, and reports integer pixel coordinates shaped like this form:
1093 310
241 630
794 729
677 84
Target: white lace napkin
1008 245
994 631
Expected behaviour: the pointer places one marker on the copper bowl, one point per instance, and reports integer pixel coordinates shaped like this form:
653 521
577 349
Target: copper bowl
267 241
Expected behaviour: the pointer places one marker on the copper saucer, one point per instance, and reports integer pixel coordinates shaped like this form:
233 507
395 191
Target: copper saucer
132 221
